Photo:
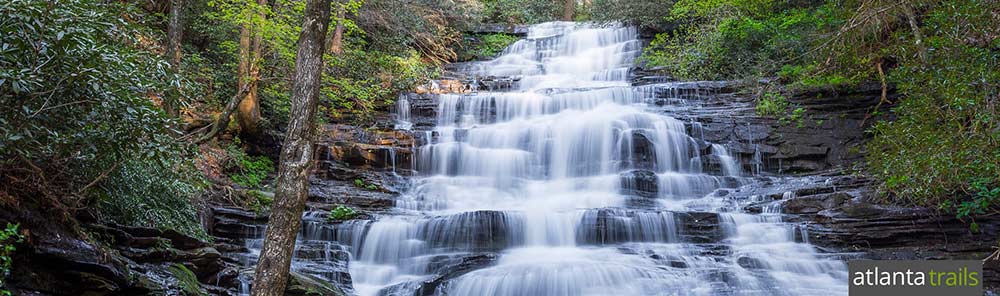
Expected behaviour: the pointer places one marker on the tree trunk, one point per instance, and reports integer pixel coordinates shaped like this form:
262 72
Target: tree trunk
568 7
271 275
337 39
911 18
248 114
175 33
243 80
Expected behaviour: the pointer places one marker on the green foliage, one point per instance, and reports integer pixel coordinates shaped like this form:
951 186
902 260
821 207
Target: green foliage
362 184
341 213
260 202
359 82
807 76
797 116
76 111
946 135
9 237
772 104
431 27
520 12
733 39
248 171
985 200
148 194
642 13
485 46
186 279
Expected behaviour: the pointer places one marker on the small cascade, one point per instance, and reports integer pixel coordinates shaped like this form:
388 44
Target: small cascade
401 112
726 161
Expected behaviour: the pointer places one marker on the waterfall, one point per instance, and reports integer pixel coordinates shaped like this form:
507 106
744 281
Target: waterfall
402 113
726 161
580 186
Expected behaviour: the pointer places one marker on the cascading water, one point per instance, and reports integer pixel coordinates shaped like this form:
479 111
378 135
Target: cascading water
402 113
580 188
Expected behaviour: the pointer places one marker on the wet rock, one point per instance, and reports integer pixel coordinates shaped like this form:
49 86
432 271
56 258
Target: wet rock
700 227
813 204
860 224
423 111
827 136
335 192
235 223
641 154
475 231
750 263
642 183
364 149
446 273
612 226
67 266
130 261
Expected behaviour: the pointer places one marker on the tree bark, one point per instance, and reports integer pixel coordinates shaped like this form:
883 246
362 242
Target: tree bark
175 31
271 275
248 114
568 7
337 39
911 18
243 80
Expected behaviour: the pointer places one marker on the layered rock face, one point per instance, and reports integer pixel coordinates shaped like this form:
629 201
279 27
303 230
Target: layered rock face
558 166
131 261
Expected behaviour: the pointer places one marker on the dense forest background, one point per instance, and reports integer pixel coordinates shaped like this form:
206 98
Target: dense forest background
142 112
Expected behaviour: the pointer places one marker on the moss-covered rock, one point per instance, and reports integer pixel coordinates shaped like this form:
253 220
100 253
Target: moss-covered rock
307 285
186 280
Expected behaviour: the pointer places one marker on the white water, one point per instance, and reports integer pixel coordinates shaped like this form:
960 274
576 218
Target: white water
544 175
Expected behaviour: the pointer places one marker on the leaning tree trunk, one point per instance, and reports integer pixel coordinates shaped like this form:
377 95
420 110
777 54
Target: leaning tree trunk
568 7
271 275
175 31
248 114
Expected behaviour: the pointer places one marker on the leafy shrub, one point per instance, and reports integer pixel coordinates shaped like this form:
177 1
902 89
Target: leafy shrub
772 104
153 195
797 116
9 237
259 202
361 184
945 138
808 76
341 213
519 12
733 39
358 82
252 171
431 27
985 200
486 46
642 13
248 171
78 123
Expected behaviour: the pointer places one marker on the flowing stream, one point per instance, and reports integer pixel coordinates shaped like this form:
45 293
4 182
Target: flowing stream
575 185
